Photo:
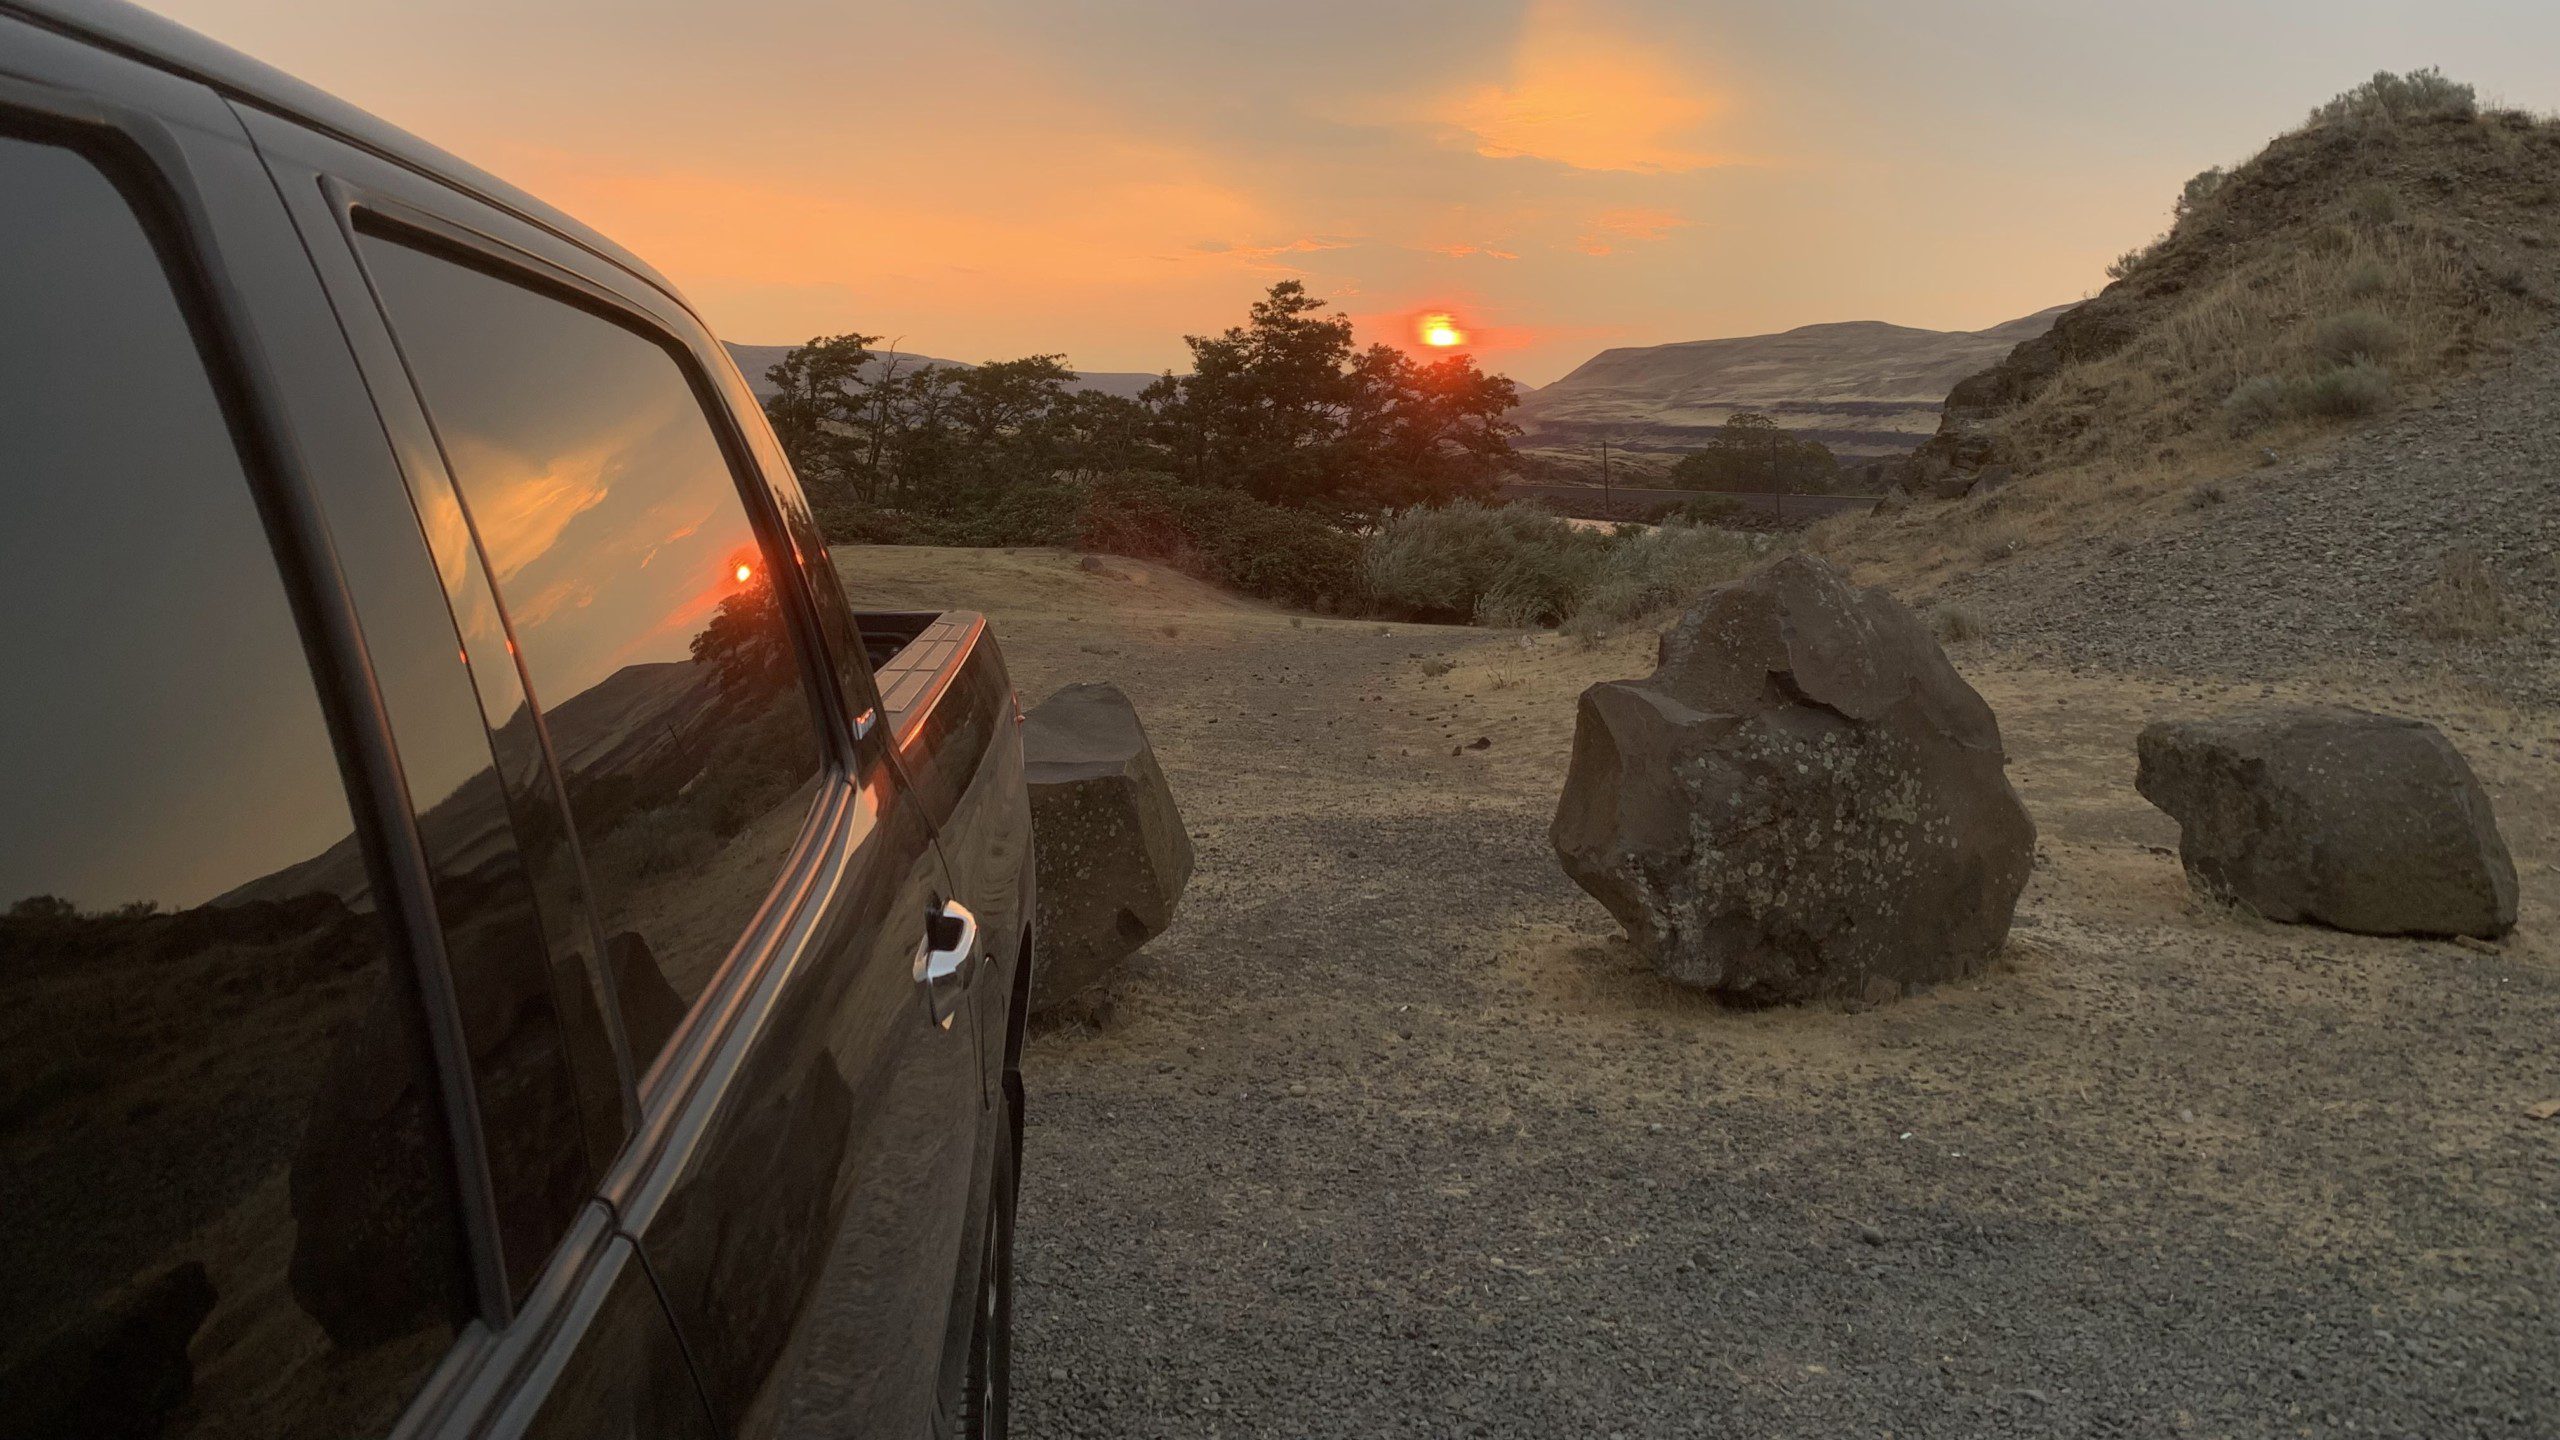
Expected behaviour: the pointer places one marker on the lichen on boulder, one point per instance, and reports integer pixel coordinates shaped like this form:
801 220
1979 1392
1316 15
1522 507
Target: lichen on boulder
1803 801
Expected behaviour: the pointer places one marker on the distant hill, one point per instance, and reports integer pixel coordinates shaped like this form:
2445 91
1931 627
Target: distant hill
754 360
1865 388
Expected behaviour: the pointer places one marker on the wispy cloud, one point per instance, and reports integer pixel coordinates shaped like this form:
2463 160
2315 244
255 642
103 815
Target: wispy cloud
1463 251
1614 230
1268 257
1584 95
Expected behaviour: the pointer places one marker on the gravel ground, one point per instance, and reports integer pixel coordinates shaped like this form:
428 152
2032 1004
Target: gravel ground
1390 1136
2316 564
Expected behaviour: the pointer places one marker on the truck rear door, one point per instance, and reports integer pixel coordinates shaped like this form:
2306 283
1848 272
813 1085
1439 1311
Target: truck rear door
754 885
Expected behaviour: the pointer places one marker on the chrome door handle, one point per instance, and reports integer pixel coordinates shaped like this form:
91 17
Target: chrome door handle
949 960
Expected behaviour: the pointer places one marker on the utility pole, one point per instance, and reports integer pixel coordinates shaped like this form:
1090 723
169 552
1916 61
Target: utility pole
1769 453
1604 471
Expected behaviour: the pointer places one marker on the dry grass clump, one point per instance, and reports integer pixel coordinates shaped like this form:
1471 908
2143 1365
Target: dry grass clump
1957 624
1519 568
2364 279
2463 600
2352 335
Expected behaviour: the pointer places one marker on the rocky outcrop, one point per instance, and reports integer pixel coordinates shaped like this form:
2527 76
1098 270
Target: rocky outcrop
2365 822
1113 854
1803 800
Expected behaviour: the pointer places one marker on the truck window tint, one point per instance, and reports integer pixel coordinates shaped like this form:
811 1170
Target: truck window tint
222 1162
516 951
642 605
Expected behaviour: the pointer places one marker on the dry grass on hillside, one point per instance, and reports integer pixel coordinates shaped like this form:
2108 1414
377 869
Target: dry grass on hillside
2353 266
2425 297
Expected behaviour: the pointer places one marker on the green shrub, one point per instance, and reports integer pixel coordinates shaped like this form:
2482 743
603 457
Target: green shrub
2131 260
851 522
1707 510
1223 536
1443 564
2386 98
1645 574
1040 513
2356 335
2344 392
2350 391
2374 204
1026 514
1515 605
1281 554
1136 515
2254 404
2200 189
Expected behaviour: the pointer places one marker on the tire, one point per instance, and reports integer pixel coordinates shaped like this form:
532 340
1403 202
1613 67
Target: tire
985 1410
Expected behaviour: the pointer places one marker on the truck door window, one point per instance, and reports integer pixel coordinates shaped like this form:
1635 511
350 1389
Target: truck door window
222 1160
642 605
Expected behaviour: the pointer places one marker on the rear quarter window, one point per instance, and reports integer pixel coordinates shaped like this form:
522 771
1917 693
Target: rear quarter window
642 602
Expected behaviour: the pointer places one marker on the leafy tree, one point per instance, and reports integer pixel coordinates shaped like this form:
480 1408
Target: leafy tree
1424 434
1262 406
1107 435
819 411
1750 451
1284 409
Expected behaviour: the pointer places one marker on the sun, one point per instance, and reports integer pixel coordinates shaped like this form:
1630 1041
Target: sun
1440 331
745 572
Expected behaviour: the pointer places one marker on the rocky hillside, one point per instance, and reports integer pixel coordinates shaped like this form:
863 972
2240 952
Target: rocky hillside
2395 243
2315 429
2425 549
1864 388
754 360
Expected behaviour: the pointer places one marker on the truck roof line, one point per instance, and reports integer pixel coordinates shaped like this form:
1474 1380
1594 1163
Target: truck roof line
167 45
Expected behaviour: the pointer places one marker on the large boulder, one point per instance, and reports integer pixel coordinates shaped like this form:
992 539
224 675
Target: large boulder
1113 856
2365 822
1803 800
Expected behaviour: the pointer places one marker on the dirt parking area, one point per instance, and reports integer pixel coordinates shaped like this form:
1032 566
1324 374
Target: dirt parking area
1390 1135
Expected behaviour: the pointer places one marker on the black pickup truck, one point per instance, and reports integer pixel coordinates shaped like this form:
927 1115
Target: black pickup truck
491 943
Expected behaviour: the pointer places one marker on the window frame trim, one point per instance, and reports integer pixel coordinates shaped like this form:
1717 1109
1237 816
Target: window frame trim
662 1088
141 155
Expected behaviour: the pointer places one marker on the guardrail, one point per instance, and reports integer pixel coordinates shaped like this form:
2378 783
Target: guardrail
1619 502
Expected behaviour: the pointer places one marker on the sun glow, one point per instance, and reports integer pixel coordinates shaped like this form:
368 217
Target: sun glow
1441 332
745 572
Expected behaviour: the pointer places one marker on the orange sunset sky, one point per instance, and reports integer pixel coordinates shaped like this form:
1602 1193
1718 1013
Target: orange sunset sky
988 180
